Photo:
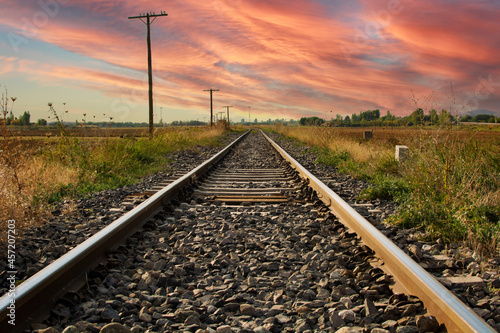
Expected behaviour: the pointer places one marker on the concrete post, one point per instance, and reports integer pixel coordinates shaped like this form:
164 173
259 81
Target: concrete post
402 153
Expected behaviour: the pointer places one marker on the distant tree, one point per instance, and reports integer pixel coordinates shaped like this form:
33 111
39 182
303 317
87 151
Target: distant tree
24 120
42 122
417 117
337 121
389 116
367 116
311 121
187 123
483 118
433 117
466 119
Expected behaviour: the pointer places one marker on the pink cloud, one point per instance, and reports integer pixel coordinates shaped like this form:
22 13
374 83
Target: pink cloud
302 57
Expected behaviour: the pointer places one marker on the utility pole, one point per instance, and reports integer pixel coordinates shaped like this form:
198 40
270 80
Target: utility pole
211 106
228 106
148 22
221 113
249 119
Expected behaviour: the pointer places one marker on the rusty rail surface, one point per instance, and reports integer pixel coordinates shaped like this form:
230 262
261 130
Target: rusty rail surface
438 300
35 296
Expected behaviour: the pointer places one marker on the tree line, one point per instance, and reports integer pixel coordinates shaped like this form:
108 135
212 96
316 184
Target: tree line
416 118
365 118
23 120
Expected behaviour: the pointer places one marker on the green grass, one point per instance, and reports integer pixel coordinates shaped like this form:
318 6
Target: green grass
37 173
106 163
385 187
381 173
449 188
454 192
329 157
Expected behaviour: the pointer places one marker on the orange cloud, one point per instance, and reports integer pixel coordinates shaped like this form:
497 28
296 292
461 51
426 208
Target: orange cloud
296 58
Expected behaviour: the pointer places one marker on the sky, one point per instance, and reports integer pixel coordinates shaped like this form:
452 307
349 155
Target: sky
273 59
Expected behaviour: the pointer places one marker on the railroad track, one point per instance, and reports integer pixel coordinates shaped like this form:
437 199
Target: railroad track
254 243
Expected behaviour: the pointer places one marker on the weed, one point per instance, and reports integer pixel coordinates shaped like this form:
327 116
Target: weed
389 188
329 157
386 164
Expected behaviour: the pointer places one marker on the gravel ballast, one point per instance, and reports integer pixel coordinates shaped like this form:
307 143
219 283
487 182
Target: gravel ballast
204 266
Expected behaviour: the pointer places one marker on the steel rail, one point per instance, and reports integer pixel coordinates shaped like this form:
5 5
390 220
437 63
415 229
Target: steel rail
438 300
34 296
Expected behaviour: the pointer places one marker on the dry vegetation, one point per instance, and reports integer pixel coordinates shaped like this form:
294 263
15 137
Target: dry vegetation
449 189
36 172
23 176
85 131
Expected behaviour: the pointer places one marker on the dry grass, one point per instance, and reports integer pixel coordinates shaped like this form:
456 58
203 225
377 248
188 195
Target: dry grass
384 139
449 188
360 152
36 172
23 178
95 132
343 139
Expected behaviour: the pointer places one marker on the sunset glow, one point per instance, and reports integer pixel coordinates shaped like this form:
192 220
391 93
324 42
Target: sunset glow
285 59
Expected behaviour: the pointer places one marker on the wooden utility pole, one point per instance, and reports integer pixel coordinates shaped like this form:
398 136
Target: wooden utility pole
228 106
211 106
148 22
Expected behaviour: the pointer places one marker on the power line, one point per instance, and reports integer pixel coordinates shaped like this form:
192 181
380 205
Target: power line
211 106
148 22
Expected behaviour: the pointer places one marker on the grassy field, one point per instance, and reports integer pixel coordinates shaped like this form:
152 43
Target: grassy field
449 188
85 131
37 171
